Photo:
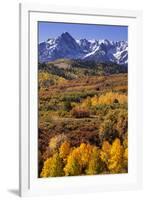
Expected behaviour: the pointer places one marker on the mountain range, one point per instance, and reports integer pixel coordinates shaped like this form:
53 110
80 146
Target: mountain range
100 51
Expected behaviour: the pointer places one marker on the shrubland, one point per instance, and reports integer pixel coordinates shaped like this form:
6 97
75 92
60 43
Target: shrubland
83 118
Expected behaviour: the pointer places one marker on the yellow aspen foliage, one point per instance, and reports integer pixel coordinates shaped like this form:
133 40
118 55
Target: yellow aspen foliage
73 167
78 159
126 154
53 167
125 162
125 145
105 151
64 150
94 101
43 76
51 78
95 165
114 156
86 103
109 98
115 163
84 159
46 168
85 152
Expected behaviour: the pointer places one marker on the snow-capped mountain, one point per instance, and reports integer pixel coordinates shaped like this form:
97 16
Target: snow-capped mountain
65 46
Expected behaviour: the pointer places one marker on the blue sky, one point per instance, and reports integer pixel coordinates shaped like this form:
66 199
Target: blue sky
53 30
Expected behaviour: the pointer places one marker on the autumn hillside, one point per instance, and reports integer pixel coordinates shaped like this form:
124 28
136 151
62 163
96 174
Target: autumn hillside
83 118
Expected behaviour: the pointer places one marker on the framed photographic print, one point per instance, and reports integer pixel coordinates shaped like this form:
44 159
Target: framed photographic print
80 100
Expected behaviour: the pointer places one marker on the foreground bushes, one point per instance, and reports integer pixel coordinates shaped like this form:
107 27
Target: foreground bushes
87 159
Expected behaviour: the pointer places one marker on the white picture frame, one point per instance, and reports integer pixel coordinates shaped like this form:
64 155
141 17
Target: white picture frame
30 185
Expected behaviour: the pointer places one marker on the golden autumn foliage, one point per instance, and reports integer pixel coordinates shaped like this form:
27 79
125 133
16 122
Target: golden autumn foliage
64 150
105 151
87 103
95 165
115 163
43 76
53 167
85 151
82 118
47 79
83 160
73 167
98 123
113 155
126 154
87 159
109 98
125 164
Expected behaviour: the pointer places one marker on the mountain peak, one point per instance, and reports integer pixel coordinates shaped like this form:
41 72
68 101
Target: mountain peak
66 47
66 34
66 37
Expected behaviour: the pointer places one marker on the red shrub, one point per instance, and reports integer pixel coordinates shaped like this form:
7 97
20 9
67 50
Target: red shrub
80 112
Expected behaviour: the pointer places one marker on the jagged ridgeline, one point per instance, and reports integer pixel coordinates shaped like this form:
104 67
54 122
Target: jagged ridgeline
101 51
71 69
